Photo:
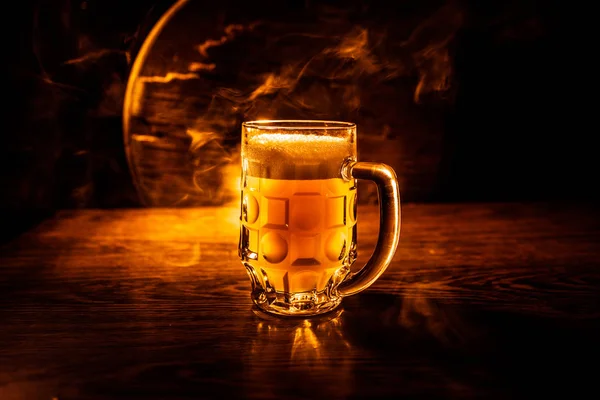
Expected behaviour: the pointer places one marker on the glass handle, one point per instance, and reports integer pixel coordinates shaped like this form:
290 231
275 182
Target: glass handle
389 224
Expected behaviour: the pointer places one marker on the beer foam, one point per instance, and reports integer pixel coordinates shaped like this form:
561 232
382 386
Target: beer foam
296 156
297 148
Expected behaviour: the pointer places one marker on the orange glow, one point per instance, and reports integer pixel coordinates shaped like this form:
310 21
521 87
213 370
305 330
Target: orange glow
197 66
176 232
311 338
230 32
160 110
318 343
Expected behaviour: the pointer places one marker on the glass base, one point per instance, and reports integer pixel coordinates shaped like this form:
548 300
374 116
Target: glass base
301 304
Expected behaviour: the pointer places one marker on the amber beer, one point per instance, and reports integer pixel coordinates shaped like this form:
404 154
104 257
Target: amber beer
298 214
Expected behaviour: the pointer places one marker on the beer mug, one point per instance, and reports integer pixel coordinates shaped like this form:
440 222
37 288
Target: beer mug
299 212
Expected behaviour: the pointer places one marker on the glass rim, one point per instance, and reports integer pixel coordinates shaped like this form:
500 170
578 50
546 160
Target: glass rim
297 124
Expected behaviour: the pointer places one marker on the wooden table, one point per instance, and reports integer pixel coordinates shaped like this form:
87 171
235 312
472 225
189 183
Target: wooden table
482 300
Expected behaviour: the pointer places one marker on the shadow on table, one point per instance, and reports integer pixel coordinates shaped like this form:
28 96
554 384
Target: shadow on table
17 222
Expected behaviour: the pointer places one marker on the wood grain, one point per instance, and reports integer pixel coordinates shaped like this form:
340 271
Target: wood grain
482 300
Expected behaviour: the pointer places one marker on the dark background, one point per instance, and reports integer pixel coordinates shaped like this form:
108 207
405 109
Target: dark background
510 124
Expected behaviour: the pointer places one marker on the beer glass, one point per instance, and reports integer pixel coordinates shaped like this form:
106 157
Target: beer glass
299 212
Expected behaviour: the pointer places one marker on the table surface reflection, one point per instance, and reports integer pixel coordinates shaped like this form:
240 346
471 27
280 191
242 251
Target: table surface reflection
482 300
